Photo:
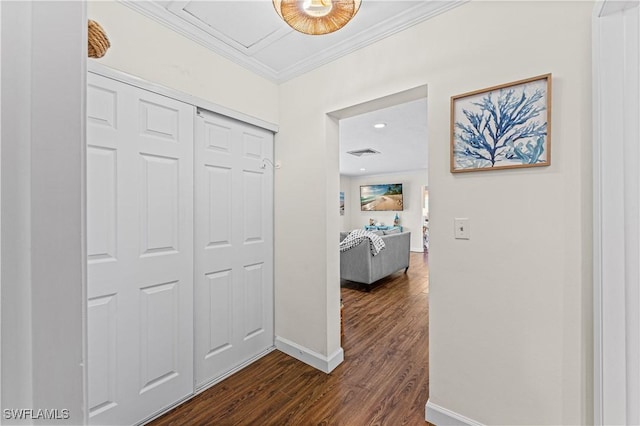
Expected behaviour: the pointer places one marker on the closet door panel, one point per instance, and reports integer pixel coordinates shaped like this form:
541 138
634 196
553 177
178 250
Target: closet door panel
159 203
234 245
254 289
219 198
102 205
102 369
159 335
140 246
219 304
253 186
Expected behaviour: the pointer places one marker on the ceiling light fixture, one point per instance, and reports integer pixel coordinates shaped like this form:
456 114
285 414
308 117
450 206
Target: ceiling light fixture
380 125
316 17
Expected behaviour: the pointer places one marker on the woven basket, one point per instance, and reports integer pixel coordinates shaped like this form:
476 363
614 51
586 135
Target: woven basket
98 41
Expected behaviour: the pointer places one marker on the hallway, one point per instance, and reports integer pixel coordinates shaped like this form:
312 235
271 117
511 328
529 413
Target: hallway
383 380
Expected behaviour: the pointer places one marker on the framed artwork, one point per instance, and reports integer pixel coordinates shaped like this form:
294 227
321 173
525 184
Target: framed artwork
384 197
341 203
502 127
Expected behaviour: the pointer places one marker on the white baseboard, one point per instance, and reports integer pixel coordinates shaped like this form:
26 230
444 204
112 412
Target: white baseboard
309 357
441 416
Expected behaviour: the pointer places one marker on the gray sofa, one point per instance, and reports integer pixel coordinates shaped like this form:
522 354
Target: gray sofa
359 265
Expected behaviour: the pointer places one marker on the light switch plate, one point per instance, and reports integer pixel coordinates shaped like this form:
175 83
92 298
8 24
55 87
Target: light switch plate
461 228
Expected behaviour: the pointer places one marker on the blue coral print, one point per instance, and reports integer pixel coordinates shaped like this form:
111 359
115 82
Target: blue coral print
504 127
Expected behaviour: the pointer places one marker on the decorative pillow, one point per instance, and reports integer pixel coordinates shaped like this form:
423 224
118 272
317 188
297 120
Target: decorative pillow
392 231
378 232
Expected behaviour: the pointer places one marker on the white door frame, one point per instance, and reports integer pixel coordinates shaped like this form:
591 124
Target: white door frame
616 221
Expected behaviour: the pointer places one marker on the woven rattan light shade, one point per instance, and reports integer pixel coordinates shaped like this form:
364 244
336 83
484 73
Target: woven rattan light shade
98 41
294 14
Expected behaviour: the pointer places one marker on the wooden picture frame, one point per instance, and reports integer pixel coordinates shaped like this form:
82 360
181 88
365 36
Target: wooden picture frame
502 127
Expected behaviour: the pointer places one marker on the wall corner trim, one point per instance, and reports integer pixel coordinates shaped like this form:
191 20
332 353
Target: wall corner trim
441 416
323 363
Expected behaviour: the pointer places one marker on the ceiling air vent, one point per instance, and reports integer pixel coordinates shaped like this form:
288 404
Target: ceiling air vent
361 152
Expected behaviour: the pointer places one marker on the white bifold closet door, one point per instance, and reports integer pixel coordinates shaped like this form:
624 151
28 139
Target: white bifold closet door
140 247
234 245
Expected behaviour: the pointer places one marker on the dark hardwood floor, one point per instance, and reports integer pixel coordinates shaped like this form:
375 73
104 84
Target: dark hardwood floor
384 379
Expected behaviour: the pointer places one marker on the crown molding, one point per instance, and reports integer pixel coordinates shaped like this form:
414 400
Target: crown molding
412 16
422 11
163 16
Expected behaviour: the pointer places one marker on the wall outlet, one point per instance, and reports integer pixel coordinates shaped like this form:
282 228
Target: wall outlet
461 228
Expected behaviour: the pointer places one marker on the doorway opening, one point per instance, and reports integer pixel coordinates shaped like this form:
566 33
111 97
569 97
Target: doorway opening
384 143
382 139
378 149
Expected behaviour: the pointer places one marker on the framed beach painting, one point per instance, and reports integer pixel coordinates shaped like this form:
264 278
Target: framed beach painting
341 203
502 127
382 197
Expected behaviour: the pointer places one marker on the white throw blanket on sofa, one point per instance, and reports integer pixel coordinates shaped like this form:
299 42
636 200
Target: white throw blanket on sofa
355 237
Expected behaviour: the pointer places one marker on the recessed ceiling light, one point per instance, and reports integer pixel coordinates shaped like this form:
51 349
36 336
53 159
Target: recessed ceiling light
380 125
362 170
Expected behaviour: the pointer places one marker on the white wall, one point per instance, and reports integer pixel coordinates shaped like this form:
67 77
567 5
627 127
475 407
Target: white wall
510 327
410 217
147 49
43 256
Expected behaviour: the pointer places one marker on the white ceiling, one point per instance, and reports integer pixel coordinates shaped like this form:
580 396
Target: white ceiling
402 143
250 33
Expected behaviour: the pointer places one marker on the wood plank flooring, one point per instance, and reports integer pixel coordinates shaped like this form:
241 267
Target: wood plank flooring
384 379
